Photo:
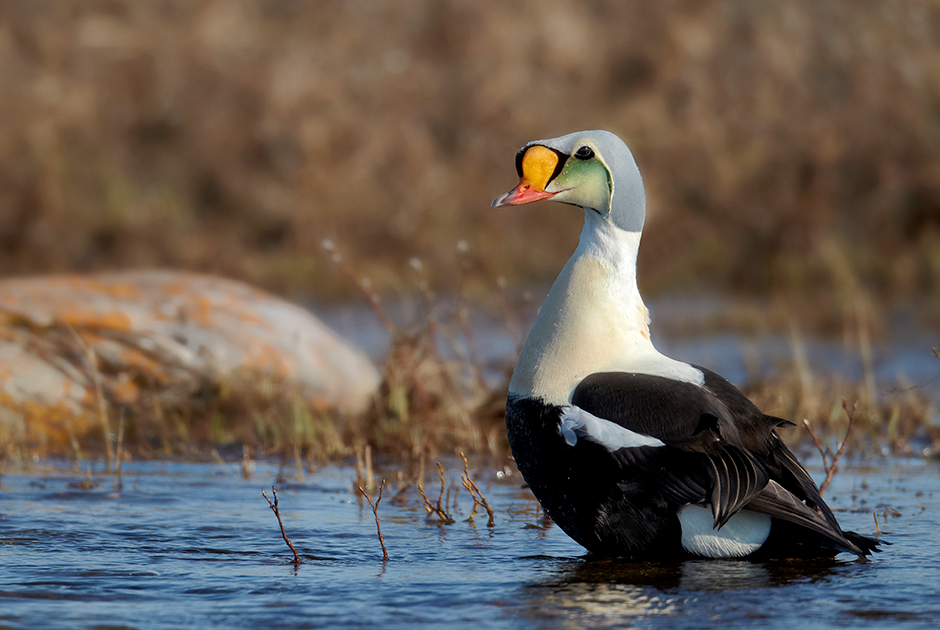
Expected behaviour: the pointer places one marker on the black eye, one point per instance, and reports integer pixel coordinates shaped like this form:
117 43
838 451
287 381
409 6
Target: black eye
584 153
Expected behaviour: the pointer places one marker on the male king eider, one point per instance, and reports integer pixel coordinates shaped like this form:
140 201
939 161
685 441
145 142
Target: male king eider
630 452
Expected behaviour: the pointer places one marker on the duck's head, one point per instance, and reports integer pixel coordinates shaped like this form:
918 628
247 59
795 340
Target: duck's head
591 169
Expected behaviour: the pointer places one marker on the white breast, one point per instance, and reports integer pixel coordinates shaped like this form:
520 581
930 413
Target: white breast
593 320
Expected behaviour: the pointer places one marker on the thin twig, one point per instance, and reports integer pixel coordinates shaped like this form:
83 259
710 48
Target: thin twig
845 440
298 461
92 357
819 447
877 529
509 320
439 508
359 465
441 495
370 475
375 511
247 466
118 453
279 522
892 512
462 318
831 466
474 492
74 441
364 286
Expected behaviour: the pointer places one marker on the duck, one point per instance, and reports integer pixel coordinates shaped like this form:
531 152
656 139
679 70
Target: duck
630 452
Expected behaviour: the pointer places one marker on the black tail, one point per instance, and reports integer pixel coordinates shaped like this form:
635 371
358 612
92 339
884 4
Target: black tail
866 544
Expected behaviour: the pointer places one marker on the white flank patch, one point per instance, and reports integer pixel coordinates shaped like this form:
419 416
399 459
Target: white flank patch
652 363
743 534
577 423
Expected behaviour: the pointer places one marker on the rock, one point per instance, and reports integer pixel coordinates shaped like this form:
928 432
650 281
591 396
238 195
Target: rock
65 338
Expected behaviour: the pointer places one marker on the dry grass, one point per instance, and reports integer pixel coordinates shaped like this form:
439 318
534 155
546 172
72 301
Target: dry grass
426 403
233 136
429 402
897 423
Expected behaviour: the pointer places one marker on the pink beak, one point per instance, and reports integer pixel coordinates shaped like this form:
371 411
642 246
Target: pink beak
525 192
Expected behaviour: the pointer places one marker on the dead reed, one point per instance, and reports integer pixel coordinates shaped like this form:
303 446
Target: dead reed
277 513
432 397
91 359
247 466
427 403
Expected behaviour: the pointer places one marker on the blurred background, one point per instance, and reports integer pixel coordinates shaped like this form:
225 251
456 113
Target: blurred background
791 150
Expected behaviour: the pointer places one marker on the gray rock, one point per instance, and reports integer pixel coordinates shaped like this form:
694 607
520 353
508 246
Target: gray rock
166 328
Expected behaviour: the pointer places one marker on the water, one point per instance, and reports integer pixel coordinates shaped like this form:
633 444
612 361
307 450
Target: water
186 545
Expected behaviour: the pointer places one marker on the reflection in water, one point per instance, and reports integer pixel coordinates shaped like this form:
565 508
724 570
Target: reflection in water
592 604
605 590
733 575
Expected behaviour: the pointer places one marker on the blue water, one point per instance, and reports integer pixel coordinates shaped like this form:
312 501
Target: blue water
184 545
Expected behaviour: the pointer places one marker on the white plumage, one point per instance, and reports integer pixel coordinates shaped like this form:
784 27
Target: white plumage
576 423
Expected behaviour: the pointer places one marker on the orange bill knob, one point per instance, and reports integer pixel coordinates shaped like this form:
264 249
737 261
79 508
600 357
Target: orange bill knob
538 165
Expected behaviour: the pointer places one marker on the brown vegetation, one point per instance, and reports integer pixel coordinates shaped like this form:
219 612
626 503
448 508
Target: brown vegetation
233 136
476 494
830 460
896 422
425 404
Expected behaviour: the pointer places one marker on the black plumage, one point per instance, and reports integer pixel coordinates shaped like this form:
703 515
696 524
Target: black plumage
720 451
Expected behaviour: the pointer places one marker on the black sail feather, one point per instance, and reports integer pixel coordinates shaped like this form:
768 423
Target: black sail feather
738 478
778 459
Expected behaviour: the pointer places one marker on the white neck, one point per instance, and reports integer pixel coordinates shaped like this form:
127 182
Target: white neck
593 320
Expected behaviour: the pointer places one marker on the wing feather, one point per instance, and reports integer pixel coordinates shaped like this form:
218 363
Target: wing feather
775 500
737 481
720 449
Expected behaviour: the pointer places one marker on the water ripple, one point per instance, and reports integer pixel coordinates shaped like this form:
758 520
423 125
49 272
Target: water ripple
184 545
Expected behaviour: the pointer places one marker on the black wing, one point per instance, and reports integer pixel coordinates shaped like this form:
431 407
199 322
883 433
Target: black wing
702 466
773 453
721 448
